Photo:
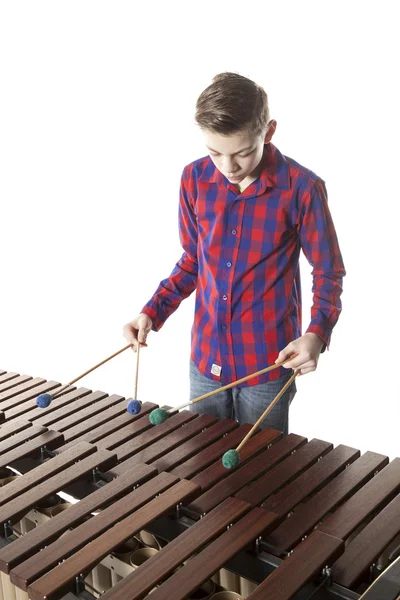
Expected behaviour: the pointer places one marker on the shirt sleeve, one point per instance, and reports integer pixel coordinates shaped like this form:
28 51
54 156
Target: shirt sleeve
183 279
321 248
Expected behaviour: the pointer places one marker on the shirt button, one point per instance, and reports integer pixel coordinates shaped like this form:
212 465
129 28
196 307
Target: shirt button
224 327
234 231
228 264
224 297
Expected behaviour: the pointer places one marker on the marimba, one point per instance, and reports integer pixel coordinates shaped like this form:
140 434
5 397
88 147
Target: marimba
297 518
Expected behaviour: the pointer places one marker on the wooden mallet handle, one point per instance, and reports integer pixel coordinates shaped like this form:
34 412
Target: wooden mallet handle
233 383
64 387
267 410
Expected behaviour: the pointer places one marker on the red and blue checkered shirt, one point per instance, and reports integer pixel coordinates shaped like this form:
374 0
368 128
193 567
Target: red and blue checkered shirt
241 255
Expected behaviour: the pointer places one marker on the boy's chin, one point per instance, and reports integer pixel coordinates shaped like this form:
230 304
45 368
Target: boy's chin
235 179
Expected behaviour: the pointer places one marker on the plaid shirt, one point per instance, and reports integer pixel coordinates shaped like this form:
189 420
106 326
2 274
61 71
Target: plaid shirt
241 255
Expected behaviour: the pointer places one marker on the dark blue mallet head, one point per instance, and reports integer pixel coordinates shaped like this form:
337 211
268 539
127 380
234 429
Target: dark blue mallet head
134 407
44 400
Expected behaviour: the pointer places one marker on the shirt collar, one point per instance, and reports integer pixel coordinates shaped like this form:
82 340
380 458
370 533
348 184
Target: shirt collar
275 173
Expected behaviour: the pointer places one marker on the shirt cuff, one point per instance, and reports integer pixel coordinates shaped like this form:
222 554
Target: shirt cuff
322 333
150 310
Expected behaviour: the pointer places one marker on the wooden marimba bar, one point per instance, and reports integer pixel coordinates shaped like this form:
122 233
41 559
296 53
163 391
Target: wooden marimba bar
296 519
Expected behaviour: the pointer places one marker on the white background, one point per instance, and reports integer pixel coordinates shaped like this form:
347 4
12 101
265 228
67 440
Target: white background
97 122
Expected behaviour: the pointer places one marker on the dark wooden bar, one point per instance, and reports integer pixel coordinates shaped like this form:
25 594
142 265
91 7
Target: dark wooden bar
197 570
10 380
61 579
245 473
368 546
36 539
13 427
14 509
167 443
285 472
309 482
49 557
260 442
371 497
308 514
307 561
176 552
49 439
188 468
47 469
196 444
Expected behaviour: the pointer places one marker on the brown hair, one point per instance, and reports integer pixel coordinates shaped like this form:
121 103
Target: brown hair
233 103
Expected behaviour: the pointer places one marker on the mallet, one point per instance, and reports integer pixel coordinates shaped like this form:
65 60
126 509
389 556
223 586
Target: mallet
43 400
134 406
231 458
159 415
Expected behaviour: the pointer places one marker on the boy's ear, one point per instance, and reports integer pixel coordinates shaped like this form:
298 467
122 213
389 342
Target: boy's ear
270 131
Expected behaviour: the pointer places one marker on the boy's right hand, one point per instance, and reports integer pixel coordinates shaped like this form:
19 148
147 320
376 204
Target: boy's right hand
137 330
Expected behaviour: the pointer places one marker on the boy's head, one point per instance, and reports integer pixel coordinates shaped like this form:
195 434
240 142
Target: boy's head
233 115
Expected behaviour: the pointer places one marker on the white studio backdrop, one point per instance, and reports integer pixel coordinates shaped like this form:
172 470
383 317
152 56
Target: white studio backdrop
97 122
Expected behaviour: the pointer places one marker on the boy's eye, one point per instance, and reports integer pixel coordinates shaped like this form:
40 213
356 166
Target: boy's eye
248 154
241 155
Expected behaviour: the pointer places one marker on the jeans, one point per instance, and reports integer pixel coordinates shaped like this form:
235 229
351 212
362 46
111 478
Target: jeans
245 404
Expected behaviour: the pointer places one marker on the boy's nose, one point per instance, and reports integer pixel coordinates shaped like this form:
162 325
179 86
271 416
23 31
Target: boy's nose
230 166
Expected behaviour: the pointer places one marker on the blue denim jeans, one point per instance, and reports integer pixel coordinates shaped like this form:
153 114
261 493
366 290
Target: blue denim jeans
245 404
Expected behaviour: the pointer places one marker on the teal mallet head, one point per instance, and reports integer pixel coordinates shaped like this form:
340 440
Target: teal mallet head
158 416
231 459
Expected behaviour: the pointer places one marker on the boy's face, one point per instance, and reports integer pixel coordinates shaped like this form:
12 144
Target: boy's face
238 155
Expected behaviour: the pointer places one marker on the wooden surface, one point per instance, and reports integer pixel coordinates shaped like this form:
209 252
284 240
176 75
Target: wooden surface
42 472
50 439
200 568
312 480
309 513
285 472
364 550
372 496
237 479
306 562
257 444
57 582
30 543
16 508
177 551
13 427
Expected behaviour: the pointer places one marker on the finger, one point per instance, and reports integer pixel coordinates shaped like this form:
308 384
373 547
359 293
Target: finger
295 363
292 363
307 367
307 370
301 360
134 346
142 335
284 354
130 333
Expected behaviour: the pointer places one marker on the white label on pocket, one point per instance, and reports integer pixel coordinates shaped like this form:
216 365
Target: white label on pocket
216 370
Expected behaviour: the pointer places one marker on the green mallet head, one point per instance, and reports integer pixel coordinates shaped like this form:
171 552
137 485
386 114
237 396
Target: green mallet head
158 416
231 459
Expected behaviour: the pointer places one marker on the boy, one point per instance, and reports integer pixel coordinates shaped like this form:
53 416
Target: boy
245 212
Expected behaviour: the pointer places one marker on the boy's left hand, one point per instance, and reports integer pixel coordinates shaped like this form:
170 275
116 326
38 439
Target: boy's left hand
307 348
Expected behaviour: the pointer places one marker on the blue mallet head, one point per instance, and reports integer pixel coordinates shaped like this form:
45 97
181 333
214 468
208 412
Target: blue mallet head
134 407
43 401
158 416
231 459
